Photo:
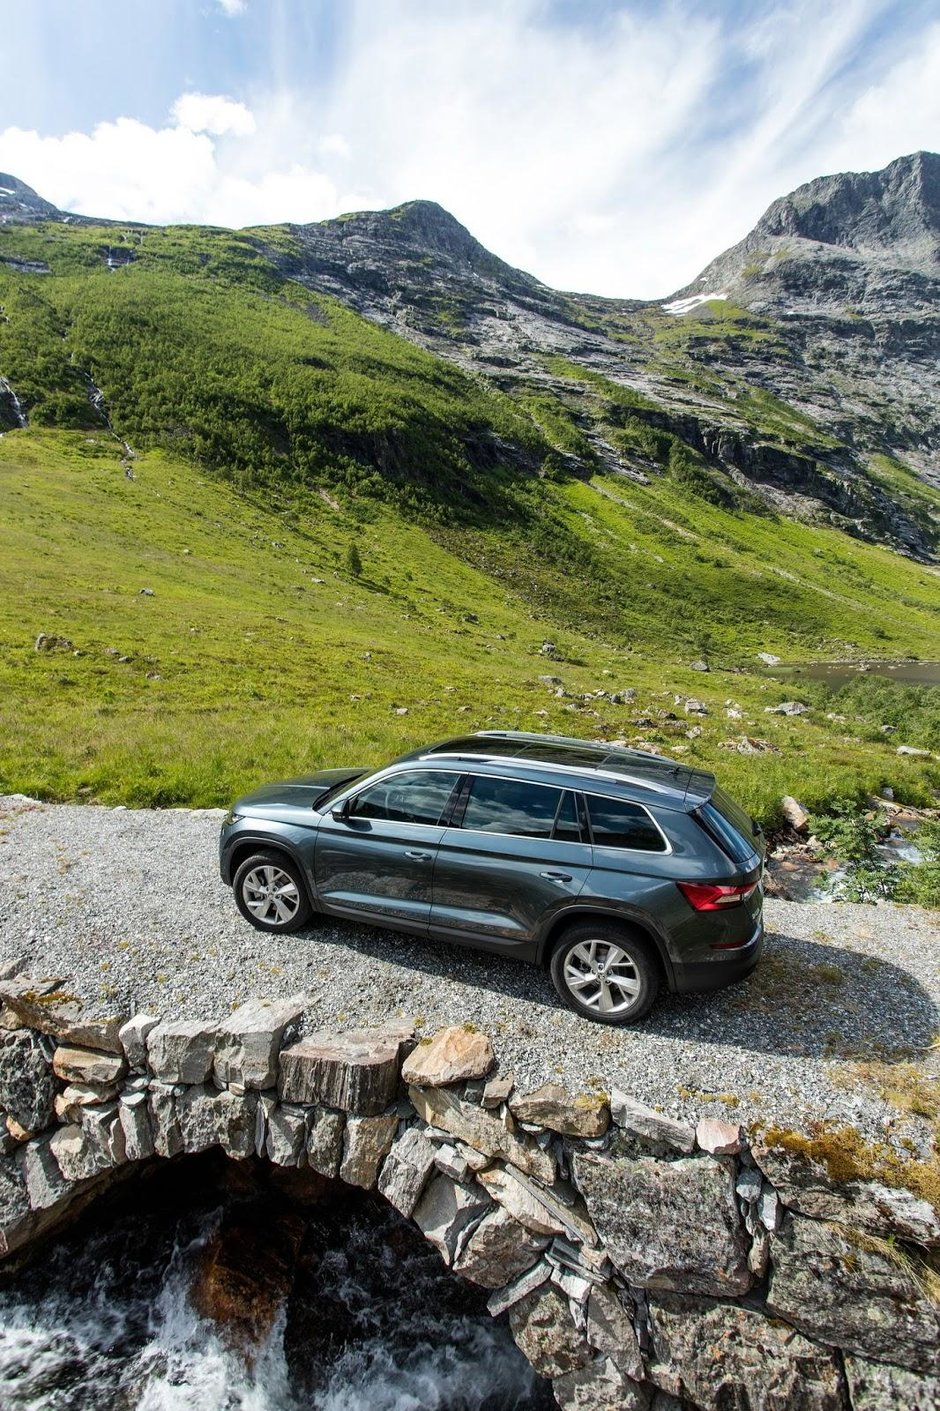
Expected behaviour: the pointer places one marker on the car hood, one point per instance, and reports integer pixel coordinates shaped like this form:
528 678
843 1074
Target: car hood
304 792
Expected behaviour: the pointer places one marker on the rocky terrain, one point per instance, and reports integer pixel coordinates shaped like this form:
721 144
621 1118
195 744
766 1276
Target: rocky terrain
799 369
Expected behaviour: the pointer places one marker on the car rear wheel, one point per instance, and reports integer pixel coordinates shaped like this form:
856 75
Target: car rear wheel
605 972
270 893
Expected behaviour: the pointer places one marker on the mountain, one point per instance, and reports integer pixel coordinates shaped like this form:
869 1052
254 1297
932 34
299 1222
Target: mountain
563 507
796 375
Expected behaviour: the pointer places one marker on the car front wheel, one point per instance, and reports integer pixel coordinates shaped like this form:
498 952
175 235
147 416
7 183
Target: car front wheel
270 893
605 972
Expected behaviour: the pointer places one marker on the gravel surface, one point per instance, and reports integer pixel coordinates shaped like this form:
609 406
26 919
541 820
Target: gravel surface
128 907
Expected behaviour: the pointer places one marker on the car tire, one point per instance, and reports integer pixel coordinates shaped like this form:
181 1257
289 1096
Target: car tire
270 892
605 972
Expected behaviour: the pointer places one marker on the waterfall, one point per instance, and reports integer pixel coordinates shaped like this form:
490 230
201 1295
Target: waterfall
16 404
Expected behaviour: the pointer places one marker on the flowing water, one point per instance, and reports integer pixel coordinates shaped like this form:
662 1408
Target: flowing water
349 1310
15 402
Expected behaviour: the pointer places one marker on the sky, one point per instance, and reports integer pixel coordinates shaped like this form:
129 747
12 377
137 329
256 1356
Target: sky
607 146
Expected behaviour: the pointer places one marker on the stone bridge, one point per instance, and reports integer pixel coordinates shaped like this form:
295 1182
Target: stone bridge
641 1263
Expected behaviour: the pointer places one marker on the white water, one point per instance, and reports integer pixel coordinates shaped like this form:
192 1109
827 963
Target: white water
108 1324
18 411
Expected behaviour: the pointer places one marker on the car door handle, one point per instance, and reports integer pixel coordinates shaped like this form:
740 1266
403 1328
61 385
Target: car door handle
556 876
419 856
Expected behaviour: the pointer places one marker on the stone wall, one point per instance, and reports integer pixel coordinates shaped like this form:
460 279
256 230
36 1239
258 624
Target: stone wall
642 1264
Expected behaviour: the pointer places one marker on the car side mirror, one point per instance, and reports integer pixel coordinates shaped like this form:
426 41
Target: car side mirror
341 811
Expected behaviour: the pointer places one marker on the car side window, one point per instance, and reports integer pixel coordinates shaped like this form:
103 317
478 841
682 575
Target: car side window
618 824
511 806
419 797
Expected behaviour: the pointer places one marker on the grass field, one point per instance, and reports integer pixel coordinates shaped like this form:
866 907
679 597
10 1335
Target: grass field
260 654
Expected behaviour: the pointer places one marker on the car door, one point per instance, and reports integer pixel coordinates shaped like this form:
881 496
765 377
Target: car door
374 861
512 856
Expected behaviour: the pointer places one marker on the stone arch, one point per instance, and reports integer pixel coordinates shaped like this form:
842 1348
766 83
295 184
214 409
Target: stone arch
620 1242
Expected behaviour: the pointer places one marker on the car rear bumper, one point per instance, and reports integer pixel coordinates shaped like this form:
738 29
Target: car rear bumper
724 968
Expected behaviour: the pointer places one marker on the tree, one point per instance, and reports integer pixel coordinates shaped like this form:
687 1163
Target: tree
354 560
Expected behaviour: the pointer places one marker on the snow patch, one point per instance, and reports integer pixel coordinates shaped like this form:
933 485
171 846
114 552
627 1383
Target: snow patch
684 306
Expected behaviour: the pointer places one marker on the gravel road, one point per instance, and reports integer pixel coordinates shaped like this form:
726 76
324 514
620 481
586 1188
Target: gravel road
128 907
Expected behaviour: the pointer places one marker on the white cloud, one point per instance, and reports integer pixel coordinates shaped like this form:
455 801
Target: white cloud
618 155
233 7
205 112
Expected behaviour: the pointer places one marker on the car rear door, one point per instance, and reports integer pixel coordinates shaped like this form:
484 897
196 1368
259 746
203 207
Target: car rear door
512 856
375 861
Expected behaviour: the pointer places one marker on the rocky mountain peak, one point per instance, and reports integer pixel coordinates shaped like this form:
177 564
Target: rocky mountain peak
896 210
19 202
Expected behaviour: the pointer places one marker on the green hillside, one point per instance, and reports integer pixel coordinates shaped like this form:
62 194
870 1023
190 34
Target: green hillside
272 429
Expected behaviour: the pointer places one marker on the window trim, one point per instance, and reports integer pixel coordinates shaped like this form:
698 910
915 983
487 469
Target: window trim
612 847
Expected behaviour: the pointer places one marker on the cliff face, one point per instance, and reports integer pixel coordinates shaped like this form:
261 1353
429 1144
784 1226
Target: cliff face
797 371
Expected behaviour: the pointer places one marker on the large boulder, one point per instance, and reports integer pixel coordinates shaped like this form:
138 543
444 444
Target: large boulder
27 1082
356 1072
874 1386
853 1290
555 1107
720 1355
805 1185
498 1250
445 1211
406 1170
181 1051
453 1055
600 1386
249 1041
668 1224
544 1332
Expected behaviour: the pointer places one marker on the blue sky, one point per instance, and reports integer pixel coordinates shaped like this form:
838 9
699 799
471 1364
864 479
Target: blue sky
607 145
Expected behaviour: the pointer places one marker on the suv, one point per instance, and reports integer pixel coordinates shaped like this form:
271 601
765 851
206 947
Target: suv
619 871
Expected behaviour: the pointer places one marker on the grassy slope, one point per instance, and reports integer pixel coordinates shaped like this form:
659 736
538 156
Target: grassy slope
243 667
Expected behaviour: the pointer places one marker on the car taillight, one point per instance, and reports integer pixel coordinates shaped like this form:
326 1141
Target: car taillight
703 896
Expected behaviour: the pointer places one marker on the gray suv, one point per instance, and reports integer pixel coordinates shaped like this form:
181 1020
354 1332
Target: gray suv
619 871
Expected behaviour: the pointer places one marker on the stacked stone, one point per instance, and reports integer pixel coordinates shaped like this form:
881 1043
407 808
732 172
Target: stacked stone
642 1263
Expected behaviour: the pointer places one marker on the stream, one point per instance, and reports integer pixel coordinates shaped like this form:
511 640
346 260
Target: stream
216 1286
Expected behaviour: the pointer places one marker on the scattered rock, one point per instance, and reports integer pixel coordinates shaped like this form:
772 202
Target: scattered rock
768 658
787 708
244 1275
50 642
145 592
795 814
453 1055
911 750
699 666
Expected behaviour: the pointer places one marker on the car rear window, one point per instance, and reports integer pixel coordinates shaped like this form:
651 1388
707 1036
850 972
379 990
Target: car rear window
729 825
511 806
618 824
